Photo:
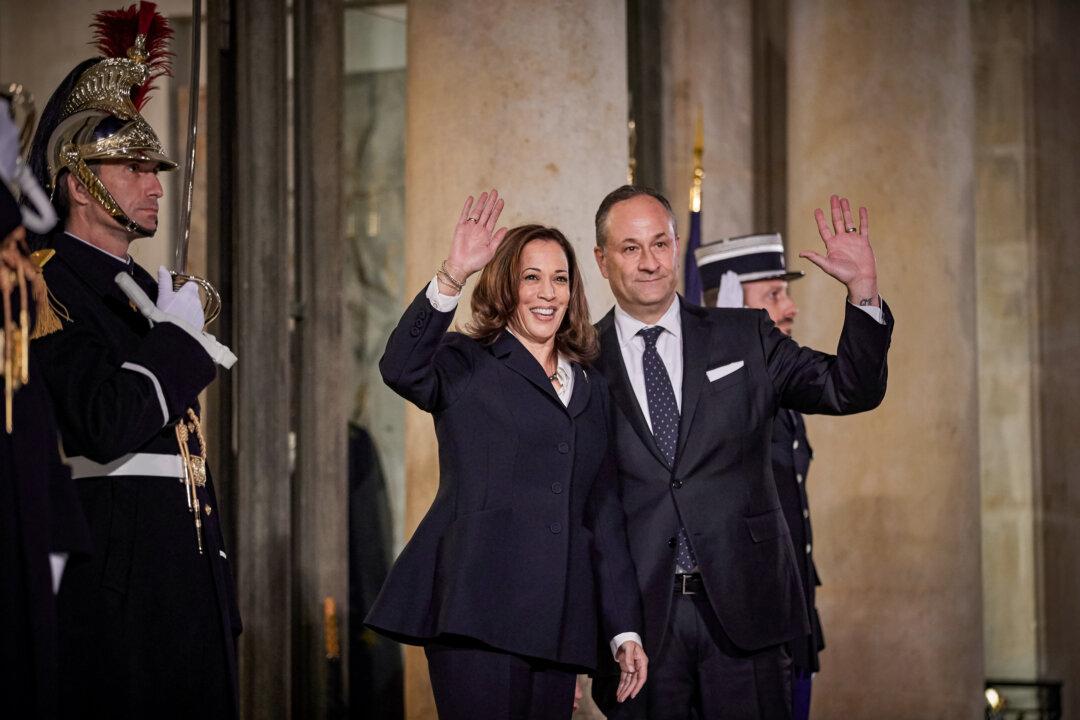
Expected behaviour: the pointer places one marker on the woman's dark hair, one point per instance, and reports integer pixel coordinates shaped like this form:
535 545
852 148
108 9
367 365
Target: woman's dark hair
496 295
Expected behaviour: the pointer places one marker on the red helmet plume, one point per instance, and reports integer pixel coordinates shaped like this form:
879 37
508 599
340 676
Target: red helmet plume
139 33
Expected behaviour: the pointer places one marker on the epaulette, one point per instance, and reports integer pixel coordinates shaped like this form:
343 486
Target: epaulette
49 309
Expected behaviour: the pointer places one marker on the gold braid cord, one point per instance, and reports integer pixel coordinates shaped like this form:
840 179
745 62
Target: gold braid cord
15 268
194 468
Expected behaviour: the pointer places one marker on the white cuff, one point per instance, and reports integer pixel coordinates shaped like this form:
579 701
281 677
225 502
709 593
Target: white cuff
442 303
57 561
875 312
618 640
157 388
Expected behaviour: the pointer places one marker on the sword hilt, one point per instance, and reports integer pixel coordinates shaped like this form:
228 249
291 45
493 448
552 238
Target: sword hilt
211 300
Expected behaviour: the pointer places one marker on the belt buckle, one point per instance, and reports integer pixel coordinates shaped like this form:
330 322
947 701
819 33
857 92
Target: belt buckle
685 577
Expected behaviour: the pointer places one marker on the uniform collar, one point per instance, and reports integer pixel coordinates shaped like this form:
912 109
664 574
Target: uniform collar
98 268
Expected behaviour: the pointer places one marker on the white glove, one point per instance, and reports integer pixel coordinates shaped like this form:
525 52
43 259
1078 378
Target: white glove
183 303
730 295
9 144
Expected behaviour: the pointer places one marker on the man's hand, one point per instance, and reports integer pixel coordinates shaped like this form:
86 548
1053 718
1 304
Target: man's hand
183 303
848 255
634 667
475 237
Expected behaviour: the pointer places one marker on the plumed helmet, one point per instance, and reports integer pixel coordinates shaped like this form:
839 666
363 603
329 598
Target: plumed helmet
94 114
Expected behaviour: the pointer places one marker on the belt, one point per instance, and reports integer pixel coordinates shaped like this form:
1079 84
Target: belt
144 464
688 584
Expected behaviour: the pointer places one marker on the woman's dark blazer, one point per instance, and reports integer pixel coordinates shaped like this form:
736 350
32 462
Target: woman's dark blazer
524 547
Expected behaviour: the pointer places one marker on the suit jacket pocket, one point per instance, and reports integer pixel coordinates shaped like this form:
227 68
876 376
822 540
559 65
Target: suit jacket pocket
767 526
730 380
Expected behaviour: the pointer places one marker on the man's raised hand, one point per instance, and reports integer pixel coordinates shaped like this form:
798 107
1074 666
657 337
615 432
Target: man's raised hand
848 255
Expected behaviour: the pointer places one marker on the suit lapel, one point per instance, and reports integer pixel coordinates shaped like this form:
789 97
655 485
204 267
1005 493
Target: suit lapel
611 364
579 400
507 348
697 336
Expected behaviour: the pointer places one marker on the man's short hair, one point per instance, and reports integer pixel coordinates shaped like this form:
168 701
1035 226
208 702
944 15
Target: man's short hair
62 196
625 192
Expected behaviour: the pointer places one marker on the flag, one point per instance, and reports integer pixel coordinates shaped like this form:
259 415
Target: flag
692 280
692 289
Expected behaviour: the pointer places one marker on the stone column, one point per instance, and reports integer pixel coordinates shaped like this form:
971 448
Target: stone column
1007 294
1056 100
881 110
527 97
708 68
321 488
255 199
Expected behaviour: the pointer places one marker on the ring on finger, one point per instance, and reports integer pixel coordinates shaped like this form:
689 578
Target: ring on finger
851 229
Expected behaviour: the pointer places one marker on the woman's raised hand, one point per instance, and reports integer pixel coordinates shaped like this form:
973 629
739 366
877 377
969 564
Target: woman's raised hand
475 237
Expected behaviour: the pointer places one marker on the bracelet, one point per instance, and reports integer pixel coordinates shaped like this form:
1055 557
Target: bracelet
448 279
452 280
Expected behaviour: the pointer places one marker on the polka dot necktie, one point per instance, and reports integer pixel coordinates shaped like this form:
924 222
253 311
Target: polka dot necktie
664 415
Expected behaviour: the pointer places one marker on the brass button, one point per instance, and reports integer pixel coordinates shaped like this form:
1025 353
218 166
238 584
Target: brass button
208 510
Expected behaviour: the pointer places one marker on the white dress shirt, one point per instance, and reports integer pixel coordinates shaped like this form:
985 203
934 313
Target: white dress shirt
565 371
668 346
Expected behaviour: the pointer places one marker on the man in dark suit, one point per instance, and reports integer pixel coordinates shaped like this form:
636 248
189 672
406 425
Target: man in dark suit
695 392
750 272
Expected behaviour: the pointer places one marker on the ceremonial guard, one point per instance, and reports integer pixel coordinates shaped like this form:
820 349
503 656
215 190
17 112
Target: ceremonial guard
750 272
41 520
148 626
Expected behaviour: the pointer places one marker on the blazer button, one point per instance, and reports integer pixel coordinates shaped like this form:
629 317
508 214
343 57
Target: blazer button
807 548
556 487
422 314
555 528
415 332
564 447
676 484
806 513
671 542
798 477
795 445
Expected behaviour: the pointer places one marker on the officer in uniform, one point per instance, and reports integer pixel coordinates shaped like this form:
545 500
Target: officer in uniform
750 272
148 626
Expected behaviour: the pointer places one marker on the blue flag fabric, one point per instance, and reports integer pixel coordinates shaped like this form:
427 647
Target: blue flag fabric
692 290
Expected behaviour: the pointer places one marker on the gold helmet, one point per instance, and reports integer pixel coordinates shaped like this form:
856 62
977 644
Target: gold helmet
97 118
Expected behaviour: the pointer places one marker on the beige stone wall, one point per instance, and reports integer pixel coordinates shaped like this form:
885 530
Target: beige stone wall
527 97
881 110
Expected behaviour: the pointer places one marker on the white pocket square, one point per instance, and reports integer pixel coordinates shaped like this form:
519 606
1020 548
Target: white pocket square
723 370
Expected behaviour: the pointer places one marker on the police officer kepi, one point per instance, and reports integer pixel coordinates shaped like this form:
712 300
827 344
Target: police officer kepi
148 626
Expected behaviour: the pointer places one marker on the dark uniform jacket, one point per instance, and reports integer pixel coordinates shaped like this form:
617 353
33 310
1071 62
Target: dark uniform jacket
791 455
721 485
524 547
148 625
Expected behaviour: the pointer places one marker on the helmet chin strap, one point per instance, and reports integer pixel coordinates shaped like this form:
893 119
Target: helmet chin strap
82 172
